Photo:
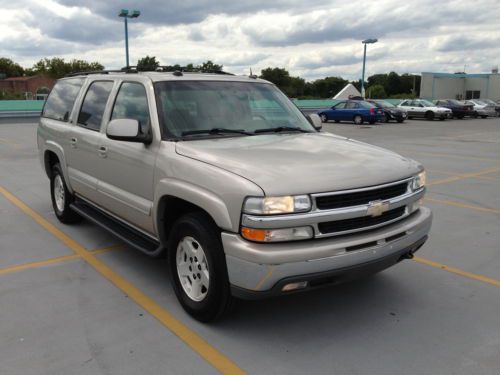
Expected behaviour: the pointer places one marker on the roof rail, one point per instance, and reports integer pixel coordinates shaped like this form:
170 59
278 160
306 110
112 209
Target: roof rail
126 69
185 69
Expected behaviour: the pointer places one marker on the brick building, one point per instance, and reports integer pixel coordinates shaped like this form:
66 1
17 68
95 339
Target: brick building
34 87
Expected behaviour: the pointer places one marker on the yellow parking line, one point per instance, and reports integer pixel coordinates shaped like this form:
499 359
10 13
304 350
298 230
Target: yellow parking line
37 264
458 271
462 205
108 248
193 340
458 177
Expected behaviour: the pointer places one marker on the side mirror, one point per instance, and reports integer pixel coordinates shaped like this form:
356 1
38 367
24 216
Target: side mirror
128 130
315 121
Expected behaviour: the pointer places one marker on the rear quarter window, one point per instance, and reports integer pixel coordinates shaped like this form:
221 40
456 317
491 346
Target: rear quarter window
62 98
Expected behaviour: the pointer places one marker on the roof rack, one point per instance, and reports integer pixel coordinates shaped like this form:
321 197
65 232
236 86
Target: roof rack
185 69
126 69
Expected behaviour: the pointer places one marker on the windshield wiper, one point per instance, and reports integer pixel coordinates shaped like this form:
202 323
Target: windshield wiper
215 131
282 129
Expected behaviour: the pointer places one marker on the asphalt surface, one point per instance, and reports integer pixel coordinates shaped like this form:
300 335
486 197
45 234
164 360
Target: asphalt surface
66 310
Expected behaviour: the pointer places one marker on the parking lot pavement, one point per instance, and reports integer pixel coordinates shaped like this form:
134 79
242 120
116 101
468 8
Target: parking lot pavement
67 310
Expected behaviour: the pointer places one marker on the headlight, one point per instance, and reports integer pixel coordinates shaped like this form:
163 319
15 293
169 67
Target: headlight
277 205
419 181
277 235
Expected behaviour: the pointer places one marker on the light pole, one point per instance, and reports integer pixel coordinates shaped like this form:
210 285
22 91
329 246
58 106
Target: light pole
126 15
365 42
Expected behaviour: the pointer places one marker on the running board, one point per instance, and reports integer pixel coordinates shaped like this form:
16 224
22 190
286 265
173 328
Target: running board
124 232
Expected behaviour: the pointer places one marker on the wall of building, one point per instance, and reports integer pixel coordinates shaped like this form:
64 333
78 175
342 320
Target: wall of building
449 86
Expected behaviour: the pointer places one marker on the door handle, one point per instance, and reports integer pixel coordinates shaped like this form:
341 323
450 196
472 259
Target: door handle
103 151
73 142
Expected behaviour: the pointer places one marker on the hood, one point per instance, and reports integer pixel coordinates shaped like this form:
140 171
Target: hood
302 163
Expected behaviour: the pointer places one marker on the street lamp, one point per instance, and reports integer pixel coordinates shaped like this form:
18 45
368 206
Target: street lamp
365 42
126 15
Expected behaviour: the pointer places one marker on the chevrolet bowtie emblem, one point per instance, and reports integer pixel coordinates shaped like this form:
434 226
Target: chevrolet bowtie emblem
377 208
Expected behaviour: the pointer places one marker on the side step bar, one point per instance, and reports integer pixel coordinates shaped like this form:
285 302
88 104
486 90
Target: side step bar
124 232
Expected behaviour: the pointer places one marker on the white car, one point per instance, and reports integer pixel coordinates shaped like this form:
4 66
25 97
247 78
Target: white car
425 109
481 108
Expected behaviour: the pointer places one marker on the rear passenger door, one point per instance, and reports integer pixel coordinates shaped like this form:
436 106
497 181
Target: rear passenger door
85 138
127 168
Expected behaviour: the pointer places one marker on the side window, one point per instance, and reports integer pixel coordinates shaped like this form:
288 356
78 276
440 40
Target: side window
340 105
61 99
351 105
94 104
132 103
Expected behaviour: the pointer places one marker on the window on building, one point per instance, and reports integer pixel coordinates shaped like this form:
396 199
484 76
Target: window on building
94 104
61 99
470 94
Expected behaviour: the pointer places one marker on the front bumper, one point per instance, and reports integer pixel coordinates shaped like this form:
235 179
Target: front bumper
259 270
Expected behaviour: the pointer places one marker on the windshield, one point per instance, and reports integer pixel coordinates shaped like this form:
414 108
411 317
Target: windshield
488 101
215 108
426 103
384 104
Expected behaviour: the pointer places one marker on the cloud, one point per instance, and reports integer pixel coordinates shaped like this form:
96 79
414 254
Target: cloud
466 43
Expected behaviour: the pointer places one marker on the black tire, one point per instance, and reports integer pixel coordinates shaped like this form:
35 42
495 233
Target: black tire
358 120
429 115
441 119
475 115
62 210
410 117
324 117
217 300
460 117
484 116
400 121
337 121
387 118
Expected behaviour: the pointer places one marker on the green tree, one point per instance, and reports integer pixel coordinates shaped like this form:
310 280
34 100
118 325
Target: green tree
279 76
393 84
57 67
147 64
328 87
209 66
376 92
10 68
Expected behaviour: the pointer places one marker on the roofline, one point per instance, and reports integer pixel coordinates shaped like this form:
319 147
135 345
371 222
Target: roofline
462 75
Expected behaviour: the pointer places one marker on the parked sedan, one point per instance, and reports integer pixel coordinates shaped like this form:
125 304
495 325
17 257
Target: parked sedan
458 109
425 109
357 111
481 109
391 112
494 104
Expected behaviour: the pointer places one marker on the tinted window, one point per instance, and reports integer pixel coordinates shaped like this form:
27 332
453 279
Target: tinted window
61 99
132 103
93 106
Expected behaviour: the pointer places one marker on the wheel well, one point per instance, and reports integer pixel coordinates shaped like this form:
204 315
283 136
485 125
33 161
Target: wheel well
429 112
169 210
50 159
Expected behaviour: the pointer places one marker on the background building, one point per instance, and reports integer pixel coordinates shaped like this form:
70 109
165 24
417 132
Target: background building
31 87
460 86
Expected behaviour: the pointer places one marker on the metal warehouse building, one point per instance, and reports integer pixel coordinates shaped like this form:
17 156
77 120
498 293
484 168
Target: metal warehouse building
460 86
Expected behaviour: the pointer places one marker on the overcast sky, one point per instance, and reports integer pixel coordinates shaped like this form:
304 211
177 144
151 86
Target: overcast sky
310 38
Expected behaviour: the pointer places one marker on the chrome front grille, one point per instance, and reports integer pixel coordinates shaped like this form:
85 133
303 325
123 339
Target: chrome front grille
348 211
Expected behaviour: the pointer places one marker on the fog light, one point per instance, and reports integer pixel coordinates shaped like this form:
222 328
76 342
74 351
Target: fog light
294 286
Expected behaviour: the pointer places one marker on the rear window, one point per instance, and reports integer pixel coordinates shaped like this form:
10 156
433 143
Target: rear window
61 99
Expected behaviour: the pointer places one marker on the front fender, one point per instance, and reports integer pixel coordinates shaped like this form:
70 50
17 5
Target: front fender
196 195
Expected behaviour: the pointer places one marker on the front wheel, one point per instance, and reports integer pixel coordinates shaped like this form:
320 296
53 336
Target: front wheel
429 115
358 120
324 118
61 197
198 267
386 118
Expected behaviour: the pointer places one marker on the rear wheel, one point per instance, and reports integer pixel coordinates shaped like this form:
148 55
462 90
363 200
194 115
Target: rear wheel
358 120
61 197
429 115
198 267
324 118
484 116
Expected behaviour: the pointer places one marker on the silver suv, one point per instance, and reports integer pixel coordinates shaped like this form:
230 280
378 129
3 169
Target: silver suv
226 177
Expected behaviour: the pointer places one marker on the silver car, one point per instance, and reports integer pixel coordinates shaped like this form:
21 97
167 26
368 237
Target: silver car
226 177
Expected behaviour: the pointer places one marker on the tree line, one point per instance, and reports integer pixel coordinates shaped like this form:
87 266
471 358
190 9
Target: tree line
387 85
